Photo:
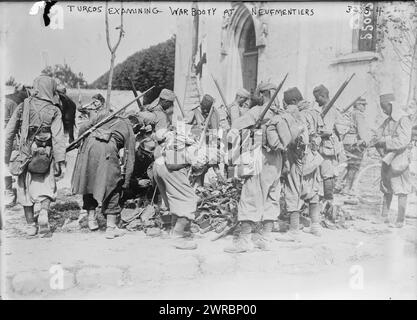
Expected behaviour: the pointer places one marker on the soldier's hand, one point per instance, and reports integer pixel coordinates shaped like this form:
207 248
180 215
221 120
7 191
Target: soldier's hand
59 168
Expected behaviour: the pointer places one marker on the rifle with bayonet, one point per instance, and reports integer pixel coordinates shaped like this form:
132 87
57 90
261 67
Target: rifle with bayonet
336 96
261 117
353 103
135 93
105 120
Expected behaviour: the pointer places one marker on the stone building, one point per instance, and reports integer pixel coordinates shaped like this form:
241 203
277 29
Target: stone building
315 42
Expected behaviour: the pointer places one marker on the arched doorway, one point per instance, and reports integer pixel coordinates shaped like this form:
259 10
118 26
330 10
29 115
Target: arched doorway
248 54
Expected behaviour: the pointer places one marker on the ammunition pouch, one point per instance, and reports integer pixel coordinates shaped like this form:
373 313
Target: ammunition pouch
41 150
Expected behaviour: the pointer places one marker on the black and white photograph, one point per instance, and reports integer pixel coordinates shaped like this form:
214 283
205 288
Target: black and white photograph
199 151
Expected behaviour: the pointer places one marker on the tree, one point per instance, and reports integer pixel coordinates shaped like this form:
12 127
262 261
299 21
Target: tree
112 49
11 82
64 74
398 27
152 66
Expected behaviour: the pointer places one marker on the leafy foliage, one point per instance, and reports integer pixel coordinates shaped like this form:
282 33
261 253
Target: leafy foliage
152 66
64 74
398 26
11 82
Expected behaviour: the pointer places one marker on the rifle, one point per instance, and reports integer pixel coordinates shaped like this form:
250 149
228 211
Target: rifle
135 93
261 117
353 103
105 120
220 90
336 96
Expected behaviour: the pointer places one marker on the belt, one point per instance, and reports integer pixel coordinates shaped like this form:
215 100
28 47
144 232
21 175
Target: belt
33 130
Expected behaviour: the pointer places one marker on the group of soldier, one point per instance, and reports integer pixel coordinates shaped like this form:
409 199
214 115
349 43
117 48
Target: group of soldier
294 151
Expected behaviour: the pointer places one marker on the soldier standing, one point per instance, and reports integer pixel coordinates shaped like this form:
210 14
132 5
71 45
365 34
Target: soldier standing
392 141
331 148
39 122
11 103
302 161
354 142
259 200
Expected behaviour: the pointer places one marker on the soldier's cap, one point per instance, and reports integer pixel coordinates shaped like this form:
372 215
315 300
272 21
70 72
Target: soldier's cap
292 94
207 101
99 97
243 93
167 94
266 86
385 98
320 90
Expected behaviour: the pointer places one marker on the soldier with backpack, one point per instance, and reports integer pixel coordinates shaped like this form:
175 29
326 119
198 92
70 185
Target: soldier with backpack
41 155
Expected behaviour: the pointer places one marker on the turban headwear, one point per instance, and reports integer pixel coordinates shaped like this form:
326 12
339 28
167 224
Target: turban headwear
243 93
167 95
292 94
321 90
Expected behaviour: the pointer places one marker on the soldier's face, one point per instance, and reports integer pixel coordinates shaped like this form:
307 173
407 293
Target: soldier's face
241 100
320 99
165 104
386 108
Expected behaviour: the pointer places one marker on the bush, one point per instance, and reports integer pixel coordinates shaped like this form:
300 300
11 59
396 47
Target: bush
152 66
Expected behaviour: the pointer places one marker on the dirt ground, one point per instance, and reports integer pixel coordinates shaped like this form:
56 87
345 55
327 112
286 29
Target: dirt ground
364 260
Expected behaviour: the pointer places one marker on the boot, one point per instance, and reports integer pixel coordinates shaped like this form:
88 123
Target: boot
402 208
242 239
294 231
262 238
112 231
314 211
32 228
178 234
386 205
92 220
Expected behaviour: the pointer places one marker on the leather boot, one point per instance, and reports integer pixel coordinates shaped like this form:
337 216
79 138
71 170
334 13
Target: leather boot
32 228
350 178
294 231
112 231
92 220
402 208
242 239
314 211
262 238
178 234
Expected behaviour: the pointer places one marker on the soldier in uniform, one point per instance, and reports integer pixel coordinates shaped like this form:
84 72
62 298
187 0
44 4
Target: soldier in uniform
38 119
159 113
238 107
198 120
331 148
302 161
95 106
392 141
174 156
11 103
97 172
259 200
354 142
